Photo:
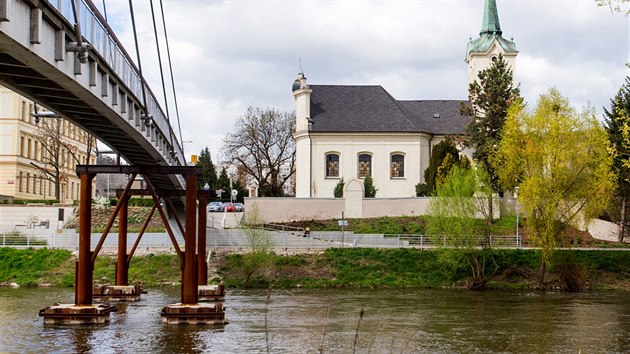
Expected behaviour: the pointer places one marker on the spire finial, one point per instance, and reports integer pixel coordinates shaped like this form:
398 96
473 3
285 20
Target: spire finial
490 23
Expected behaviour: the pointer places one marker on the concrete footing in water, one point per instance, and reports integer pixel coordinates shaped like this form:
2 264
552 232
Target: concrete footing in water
116 293
210 293
71 314
201 313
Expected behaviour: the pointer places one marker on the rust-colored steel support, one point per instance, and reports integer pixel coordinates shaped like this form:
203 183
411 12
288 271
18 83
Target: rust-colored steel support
122 267
144 227
83 291
202 266
124 194
156 201
189 278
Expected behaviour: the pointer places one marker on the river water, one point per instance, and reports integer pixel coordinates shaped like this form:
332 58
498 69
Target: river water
303 321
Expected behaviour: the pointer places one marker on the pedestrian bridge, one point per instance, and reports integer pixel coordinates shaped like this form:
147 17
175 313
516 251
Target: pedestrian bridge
63 55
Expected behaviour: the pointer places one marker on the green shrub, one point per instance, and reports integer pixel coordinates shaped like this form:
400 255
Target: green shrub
422 190
338 192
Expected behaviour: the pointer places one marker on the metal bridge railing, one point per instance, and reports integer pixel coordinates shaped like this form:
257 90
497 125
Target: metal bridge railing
106 44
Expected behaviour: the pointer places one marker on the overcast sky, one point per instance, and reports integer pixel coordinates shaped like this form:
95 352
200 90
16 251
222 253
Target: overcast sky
228 55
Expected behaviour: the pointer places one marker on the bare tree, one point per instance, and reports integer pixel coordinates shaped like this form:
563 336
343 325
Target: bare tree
260 145
59 150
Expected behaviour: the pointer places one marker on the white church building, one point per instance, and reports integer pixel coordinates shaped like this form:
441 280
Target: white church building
353 131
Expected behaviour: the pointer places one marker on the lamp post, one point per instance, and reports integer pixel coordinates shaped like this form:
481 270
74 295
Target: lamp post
518 240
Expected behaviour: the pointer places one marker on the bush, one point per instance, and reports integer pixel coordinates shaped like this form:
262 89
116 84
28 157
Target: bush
368 187
422 190
338 192
571 273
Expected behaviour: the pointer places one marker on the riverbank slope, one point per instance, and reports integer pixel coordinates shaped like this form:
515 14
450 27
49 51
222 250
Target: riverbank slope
350 268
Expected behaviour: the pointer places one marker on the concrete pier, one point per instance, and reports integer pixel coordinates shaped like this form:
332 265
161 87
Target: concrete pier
210 293
71 314
201 313
117 293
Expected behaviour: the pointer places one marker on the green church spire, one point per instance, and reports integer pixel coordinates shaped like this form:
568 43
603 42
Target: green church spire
490 19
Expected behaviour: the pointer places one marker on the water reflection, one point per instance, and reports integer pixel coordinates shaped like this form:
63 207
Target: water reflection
302 321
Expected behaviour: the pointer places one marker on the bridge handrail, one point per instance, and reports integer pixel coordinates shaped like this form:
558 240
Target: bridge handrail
101 37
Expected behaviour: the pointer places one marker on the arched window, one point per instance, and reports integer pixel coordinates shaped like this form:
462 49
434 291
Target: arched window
397 166
332 165
365 165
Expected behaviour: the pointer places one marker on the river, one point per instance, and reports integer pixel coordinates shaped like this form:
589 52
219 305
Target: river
303 321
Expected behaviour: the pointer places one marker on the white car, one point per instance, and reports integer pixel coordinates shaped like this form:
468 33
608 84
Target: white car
215 207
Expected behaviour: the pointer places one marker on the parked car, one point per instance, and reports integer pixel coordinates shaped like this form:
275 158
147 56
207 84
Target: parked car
215 206
228 207
239 207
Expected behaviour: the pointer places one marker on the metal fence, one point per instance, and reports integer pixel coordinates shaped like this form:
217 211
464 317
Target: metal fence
283 239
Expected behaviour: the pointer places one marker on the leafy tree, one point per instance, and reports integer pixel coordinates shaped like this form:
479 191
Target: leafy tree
262 144
59 153
338 192
438 154
490 98
560 160
369 190
460 201
616 5
208 174
618 128
223 182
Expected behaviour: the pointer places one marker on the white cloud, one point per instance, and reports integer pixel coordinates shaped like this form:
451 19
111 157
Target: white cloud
228 55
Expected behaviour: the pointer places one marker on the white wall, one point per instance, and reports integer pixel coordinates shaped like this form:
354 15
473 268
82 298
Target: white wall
18 216
413 146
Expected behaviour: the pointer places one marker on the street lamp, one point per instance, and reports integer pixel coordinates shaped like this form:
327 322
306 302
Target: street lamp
518 240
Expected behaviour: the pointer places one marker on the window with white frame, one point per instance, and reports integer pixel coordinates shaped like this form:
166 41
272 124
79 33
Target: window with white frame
365 165
397 166
332 165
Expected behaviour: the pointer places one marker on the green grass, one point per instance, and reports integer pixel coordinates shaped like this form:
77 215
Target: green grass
399 225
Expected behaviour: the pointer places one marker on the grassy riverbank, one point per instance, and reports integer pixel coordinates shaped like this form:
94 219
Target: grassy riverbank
356 268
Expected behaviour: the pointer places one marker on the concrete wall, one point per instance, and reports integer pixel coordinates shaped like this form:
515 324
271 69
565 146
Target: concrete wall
292 209
373 207
21 217
603 230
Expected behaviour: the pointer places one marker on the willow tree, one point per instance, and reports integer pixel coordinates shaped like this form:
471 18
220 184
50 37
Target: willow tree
559 158
460 201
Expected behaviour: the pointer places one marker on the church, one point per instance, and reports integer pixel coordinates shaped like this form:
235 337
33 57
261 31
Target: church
351 131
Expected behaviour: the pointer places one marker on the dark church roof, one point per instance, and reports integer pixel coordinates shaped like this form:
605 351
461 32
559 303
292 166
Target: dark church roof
337 108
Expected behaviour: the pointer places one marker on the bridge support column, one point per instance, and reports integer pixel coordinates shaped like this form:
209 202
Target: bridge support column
189 279
122 267
82 311
83 291
202 270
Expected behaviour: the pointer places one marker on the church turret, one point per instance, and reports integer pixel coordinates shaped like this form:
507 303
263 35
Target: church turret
483 50
302 95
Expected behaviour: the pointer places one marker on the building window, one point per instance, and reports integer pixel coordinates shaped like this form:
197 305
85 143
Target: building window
20 182
22 150
29 149
332 165
28 184
397 166
365 165
30 113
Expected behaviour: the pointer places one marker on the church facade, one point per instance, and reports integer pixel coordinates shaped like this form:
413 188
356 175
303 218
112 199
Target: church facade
349 132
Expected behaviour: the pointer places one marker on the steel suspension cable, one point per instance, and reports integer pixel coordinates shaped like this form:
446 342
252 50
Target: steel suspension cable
105 11
157 45
170 65
135 37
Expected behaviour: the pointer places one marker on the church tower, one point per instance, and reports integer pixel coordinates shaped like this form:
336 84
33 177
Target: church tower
485 49
303 159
